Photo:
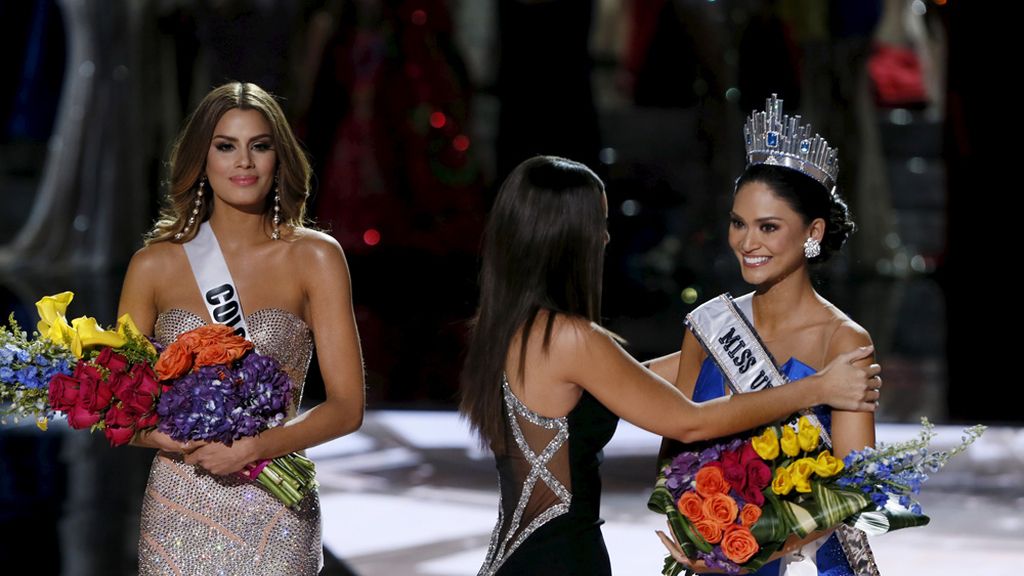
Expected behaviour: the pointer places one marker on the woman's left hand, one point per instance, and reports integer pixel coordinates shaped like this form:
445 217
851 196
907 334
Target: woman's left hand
221 459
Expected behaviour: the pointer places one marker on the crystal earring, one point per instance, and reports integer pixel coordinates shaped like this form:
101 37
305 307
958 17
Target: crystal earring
812 248
276 234
195 210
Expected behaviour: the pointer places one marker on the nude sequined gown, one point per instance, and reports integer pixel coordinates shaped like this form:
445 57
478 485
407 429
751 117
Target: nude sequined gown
194 523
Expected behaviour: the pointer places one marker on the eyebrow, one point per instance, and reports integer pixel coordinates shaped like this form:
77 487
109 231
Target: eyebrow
764 219
233 139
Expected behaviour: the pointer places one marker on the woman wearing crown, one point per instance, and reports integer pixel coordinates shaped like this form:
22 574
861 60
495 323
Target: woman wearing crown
786 216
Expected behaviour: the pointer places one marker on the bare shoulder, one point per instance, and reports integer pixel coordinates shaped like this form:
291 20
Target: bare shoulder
573 336
846 335
154 263
312 247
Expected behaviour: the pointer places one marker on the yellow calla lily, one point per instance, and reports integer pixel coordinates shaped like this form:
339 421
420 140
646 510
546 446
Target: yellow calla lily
92 335
807 434
766 445
790 445
51 309
60 332
126 327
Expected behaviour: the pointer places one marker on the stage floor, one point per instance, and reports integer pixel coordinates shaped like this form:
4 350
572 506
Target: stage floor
412 494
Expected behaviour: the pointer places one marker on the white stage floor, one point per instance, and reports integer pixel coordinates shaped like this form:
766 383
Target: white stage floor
412 494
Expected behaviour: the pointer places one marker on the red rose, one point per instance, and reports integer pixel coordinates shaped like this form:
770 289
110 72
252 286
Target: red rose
111 360
748 454
759 475
148 421
63 392
94 393
79 417
733 469
119 425
137 389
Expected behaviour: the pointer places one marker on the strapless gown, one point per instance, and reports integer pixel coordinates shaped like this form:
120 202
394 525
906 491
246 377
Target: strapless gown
194 523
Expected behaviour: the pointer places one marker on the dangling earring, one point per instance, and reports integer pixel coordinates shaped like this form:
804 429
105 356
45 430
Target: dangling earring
812 248
276 234
195 210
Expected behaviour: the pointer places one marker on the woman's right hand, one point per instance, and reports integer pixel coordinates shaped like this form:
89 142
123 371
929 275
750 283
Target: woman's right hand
849 387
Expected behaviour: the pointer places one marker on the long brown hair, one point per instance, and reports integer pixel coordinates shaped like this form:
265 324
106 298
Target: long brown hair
188 162
543 249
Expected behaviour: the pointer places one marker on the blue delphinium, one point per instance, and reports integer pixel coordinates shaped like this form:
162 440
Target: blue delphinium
898 470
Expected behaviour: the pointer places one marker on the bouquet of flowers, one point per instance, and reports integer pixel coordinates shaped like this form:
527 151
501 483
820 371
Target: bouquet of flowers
734 503
208 385
221 390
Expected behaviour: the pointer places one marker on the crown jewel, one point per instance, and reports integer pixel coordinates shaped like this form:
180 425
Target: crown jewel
779 139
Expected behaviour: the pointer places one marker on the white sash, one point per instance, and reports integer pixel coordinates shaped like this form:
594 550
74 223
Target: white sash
214 279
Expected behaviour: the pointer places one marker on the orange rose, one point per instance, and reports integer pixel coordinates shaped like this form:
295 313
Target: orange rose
710 530
218 344
738 544
710 480
721 508
750 514
175 361
690 505
214 333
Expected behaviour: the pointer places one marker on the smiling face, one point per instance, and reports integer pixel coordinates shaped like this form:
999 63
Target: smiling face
241 161
767 235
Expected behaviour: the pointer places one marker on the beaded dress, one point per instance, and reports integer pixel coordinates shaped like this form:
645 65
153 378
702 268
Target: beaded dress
550 490
195 523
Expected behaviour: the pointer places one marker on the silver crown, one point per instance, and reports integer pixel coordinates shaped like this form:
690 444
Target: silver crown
778 139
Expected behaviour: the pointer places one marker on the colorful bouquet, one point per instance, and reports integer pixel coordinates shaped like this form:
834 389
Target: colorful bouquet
208 385
733 504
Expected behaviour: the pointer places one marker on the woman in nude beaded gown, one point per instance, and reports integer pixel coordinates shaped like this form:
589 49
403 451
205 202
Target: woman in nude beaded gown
237 171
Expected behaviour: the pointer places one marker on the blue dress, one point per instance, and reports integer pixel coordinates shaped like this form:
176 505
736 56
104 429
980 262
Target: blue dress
831 560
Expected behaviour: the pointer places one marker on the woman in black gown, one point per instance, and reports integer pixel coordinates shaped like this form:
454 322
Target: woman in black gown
545 385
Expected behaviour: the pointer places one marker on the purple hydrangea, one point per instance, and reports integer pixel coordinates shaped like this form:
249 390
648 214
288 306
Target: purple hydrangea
221 404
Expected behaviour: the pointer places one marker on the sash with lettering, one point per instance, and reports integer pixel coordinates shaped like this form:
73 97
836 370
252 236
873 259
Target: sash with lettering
214 279
723 326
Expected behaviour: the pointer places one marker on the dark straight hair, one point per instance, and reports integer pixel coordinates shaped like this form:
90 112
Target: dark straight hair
543 249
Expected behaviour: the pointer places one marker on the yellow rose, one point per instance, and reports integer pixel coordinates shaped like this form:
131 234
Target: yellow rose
783 483
92 335
807 434
766 445
790 445
827 465
126 328
800 474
